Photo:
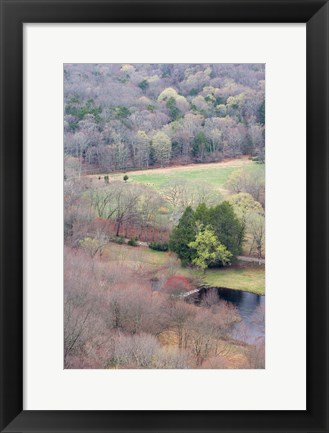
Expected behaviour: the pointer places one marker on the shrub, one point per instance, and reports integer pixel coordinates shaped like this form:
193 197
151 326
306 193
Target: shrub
119 240
159 246
132 242
125 178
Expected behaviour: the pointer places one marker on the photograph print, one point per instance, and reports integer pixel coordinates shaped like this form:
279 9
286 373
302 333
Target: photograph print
164 216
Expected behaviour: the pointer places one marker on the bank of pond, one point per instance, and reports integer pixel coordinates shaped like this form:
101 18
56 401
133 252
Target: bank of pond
250 306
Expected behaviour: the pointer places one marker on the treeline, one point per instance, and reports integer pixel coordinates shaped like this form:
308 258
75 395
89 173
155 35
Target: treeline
120 116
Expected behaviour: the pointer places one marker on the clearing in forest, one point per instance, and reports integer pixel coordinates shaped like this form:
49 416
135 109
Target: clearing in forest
214 174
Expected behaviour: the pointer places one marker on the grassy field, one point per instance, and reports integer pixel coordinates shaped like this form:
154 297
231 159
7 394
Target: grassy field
215 176
248 278
139 255
156 264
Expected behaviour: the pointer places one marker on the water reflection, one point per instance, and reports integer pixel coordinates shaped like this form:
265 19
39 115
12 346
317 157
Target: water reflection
251 308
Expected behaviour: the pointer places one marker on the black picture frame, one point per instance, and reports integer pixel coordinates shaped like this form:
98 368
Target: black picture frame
13 14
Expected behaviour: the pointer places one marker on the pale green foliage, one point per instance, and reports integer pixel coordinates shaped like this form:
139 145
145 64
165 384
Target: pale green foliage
256 226
221 110
252 215
233 102
162 147
167 93
209 249
252 183
142 136
127 68
92 245
243 204
142 154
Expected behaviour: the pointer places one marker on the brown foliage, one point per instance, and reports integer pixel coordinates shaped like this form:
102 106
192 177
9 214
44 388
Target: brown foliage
113 319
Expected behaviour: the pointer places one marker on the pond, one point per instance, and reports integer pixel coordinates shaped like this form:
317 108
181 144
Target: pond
251 308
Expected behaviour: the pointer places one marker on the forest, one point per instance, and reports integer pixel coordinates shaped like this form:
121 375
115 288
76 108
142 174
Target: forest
118 117
164 216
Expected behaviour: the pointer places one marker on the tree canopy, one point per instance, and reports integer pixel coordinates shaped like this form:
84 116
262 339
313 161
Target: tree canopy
208 235
209 250
136 116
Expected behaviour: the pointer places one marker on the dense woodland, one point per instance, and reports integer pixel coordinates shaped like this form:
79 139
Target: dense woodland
143 115
140 232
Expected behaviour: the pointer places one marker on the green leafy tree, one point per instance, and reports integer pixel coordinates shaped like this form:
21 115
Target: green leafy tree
244 204
162 147
209 250
182 235
256 225
168 93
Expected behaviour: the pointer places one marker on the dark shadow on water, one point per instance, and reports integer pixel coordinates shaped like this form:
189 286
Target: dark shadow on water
250 306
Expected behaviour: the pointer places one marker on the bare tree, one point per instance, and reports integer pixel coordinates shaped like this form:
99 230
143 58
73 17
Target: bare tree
137 351
118 201
249 182
180 315
256 226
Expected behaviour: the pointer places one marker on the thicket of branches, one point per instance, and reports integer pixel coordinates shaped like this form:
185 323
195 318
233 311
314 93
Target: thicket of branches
120 116
112 319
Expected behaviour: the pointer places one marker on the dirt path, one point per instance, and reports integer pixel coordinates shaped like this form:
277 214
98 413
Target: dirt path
237 162
251 259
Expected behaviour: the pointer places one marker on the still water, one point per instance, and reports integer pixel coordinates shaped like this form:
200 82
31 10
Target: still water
251 308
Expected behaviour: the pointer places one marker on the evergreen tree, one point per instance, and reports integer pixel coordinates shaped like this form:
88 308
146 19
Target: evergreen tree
221 220
174 111
202 214
228 228
182 235
261 113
